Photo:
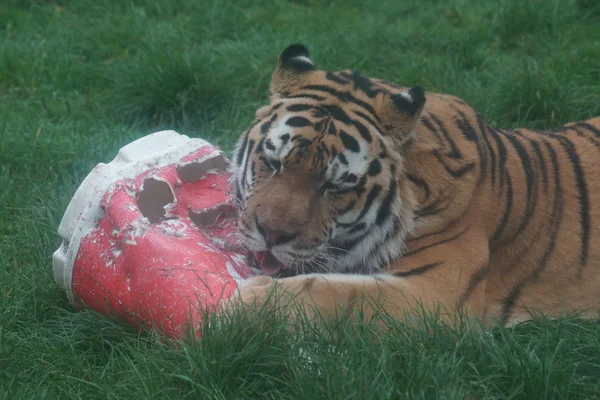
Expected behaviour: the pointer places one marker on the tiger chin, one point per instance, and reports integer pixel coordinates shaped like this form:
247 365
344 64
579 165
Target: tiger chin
352 187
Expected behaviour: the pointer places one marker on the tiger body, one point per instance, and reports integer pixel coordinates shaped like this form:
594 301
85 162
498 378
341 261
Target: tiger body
364 188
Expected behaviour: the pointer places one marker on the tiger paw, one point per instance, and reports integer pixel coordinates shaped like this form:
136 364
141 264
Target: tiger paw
251 293
264 294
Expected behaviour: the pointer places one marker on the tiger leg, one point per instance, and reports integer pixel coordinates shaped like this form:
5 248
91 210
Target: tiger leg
457 281
328 296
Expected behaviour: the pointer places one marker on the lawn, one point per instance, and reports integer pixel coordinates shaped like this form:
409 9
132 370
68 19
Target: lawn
81 78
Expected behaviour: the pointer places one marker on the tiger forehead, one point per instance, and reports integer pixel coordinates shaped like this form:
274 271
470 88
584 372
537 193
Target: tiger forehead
288 120
316 130
299 143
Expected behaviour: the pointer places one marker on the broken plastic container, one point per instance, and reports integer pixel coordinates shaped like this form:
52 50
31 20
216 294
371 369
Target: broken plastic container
151 236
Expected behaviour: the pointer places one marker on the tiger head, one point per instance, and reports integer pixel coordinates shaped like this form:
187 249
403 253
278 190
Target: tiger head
319 174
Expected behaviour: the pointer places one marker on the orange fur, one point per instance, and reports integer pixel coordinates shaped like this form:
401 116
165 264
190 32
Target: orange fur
498 222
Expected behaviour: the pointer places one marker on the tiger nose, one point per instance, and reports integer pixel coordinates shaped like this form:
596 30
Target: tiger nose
274 236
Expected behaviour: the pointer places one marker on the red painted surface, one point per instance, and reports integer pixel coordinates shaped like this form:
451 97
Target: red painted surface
160 274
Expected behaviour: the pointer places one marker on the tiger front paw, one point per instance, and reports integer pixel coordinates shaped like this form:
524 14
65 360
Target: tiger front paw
253 292
271 295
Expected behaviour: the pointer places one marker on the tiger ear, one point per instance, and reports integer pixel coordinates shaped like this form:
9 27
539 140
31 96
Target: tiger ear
293 67
401 111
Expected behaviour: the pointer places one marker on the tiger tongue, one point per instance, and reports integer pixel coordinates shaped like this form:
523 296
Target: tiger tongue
268 263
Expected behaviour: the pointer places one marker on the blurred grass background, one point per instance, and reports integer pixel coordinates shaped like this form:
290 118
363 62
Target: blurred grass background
81 78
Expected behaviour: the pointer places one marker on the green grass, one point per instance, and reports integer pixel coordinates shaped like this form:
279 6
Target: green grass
81 78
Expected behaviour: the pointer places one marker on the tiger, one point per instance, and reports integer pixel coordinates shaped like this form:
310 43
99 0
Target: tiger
350 187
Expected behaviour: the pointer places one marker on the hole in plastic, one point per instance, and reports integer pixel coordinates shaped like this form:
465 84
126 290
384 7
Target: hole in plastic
153 198
194 172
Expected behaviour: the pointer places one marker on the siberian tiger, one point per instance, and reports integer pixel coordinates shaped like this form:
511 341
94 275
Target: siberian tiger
352 186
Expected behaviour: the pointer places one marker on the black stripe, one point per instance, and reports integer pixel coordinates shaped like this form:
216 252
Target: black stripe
361 82
501 154
344 97
374 167
470 133
420 183
592 140
509 302
465 127
426 121
333 111
393 233
417 271
267 125
334 78
238 192
368 119
530 182
320 125
441 231
507 210
276 164
361 183
299 107
448 240
343 159
589 127
246 235
584 207
540 157
383 153
373 193
432 209
349 142
331 129
260 146
557 214
284 239
260 228
350 178
275 107
364 132
477 277
348 246
489 151
239 157
358 227
386 206
298 122
250 147
454 151
456 173
265 161
349 207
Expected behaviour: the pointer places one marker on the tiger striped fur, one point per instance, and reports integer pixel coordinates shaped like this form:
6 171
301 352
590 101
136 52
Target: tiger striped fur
358 187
